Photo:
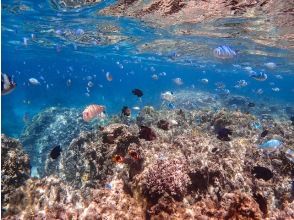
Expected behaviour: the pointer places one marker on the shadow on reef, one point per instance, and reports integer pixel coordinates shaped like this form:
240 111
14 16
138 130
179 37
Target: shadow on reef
183 172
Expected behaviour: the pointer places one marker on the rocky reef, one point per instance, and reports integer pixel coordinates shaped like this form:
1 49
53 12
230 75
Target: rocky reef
15 168
168 164
51 127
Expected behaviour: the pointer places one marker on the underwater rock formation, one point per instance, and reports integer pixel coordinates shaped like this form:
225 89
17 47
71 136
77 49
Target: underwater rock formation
15 167
51 127
184 173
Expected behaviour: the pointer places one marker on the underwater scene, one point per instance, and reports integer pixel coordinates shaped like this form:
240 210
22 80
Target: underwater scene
147 109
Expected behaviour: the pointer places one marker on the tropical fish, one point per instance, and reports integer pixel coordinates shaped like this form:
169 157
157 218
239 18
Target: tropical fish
154 76
168 96
109 76
126 111
251 104
55 152
7 84
178 81
258 76
224 52
241 83
276 89
90 84
223 134
204 81
264 133
271 145
93 111
34 81
137 108
137 92
290 155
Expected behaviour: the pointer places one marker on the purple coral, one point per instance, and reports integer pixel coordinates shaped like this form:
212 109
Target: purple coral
167 176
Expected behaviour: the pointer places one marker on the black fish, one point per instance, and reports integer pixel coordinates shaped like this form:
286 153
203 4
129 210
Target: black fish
223 134
137 92
251 104
55 152
262 173
126 111
264 133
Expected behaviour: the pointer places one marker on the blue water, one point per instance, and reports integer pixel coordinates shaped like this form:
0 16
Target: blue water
54 58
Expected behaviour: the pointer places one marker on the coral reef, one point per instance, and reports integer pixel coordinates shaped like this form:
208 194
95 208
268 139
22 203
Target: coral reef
167 176
15 167
186 172
51 127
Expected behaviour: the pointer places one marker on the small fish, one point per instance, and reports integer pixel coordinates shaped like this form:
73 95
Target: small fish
137 108
93 111
154 77
276 89
178 81
290 155
241 83
168 96
126 111
171 106
223 134
223 92
7 84
271 145
25 41
34 81
256 125
258 76
173 122
220 85
137 92
55 152
109 76
279 76
251 105
204 81
79 32
68 83
224 52
90 84
258 91
264 133
270 65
